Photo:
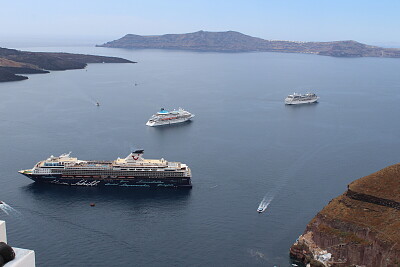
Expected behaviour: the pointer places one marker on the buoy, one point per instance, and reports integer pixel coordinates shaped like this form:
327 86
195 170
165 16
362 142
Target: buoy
92 204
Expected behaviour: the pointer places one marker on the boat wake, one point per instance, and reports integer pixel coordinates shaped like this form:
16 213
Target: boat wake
85 96
298 164
264 203
7 209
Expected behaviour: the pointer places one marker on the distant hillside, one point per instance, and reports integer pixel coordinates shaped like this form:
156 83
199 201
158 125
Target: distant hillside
14 62
232 41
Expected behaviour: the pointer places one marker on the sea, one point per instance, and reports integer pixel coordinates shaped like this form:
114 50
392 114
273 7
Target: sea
244 147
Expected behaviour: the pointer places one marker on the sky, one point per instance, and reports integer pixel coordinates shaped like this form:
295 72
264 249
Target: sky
98 21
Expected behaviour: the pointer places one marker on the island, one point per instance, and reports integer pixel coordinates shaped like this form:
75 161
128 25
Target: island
231 41
14 62
359 228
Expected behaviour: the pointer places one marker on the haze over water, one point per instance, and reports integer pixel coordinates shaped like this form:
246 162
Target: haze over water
244 144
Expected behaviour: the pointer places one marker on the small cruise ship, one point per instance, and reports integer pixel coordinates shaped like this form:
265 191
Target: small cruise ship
165 117
132 171
296 99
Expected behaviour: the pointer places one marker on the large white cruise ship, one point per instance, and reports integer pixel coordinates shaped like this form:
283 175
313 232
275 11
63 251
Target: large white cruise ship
296 99
165 117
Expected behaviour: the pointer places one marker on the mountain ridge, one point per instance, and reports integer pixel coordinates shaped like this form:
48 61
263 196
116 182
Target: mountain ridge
233 41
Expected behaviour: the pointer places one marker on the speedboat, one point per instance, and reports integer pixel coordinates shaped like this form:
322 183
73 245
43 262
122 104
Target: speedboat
260 210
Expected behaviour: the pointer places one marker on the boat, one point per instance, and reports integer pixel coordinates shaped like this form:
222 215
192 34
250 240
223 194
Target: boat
97 104
165 117
295 99
1 202
260 210
132 171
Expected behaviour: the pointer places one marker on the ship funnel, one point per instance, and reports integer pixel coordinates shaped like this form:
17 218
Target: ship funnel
135 156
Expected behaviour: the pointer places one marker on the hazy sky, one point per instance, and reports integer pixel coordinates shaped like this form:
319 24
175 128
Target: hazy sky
374 22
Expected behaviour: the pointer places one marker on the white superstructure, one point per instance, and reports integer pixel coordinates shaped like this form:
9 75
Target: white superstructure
165 117
296 99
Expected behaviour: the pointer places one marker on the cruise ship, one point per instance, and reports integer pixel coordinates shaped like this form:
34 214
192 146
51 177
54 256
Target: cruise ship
296 99
132 171
165 117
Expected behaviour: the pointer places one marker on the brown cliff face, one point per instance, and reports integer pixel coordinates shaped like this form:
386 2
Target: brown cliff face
360 227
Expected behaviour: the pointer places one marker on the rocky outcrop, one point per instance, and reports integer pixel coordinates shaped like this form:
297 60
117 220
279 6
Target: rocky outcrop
372 199
231 41
360 227
23 62
9 69
7 76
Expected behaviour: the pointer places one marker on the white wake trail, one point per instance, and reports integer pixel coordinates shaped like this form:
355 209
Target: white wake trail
265 203
7 209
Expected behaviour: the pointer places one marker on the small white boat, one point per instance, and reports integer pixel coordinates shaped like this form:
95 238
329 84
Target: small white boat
264 204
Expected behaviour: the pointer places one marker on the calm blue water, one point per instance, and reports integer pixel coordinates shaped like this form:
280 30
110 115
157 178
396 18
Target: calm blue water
243 144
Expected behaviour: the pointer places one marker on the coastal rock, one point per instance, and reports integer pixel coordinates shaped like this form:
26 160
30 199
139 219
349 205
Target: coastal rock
8 69
360 227
23 62
7 76
231 41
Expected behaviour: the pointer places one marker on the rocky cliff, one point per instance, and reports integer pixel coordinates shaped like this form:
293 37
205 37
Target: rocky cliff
232 41
360 227
14 62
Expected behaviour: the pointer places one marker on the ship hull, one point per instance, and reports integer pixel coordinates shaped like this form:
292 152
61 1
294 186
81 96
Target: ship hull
288 102
104 181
